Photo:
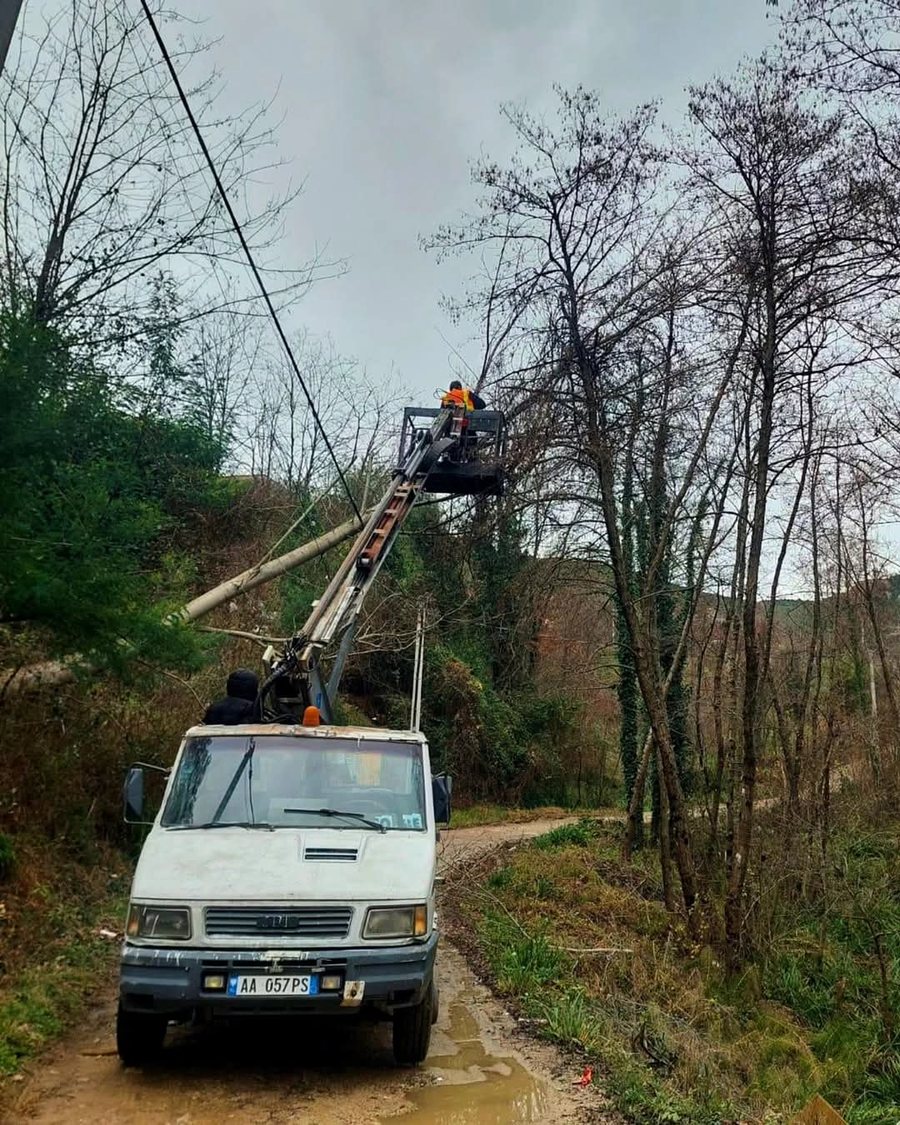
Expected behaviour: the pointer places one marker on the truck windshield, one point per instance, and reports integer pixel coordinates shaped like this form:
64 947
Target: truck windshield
297 783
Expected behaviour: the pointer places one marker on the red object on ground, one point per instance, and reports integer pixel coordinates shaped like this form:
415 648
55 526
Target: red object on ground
586 1078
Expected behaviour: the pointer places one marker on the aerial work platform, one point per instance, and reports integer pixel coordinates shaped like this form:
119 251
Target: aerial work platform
471 465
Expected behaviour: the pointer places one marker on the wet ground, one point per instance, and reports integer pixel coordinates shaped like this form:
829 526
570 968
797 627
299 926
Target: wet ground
481 1069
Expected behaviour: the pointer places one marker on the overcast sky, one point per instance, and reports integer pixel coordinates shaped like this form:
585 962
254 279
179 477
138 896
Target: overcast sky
385 104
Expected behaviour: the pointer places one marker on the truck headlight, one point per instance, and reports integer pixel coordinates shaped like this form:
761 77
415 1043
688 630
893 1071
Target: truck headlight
396 921
172 923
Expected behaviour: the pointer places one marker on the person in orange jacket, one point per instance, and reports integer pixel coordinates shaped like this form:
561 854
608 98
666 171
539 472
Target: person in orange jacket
458 395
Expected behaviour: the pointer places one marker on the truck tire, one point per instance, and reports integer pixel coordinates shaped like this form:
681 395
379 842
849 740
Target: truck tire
139 1036
412 1031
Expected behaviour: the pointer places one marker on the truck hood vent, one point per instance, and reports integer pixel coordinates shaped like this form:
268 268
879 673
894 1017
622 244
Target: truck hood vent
337 855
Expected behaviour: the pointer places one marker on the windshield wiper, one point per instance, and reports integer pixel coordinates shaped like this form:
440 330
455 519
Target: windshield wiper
225 824
337 812
232 785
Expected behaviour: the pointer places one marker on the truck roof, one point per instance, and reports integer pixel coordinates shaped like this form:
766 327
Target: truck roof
297 730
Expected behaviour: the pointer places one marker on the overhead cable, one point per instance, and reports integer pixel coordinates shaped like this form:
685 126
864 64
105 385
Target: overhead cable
235 222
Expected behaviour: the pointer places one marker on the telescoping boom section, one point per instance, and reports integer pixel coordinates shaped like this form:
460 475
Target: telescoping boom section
441 451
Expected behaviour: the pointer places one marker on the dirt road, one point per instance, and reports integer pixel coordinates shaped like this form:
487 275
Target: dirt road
481 1071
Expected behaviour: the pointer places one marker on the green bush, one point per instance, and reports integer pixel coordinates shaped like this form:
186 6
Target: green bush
572 1019
500 878
568 835
525 964
89 493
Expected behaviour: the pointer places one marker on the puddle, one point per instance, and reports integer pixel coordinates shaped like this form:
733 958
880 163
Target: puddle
472 1087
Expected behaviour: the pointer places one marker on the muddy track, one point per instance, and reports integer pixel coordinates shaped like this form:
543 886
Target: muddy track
481 1069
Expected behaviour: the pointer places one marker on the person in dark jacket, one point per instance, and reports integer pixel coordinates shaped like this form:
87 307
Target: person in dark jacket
239 704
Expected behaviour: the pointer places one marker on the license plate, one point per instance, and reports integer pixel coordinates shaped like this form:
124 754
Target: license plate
281 985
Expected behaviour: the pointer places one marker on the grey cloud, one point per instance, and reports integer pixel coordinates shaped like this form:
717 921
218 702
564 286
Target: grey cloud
385 105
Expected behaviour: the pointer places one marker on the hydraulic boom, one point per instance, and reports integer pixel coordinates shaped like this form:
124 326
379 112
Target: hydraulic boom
444 449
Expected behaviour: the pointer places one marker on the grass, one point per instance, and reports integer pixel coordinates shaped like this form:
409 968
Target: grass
675 1039
577 835
51 948
41 1002
476 816
838 967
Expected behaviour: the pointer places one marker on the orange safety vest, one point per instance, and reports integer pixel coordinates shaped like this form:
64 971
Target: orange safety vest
458 398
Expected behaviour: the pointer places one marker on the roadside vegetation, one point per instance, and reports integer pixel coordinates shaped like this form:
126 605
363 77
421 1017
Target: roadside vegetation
584 948
60 927
474 816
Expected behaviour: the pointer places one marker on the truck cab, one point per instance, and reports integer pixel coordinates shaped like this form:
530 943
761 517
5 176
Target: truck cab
289 871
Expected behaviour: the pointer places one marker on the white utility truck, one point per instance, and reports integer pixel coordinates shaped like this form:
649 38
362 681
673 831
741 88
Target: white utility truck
290 868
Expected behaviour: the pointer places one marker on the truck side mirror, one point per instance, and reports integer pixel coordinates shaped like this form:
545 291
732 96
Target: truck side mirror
133 792
133 796
441 791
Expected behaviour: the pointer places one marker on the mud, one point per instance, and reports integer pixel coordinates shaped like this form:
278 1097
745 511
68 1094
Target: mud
481 1088
481 1070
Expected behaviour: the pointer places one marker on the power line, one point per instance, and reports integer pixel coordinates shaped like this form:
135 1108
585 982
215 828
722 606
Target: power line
235 222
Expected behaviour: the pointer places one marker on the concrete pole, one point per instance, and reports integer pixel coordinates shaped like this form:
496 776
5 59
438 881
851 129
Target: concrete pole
265 572
54 673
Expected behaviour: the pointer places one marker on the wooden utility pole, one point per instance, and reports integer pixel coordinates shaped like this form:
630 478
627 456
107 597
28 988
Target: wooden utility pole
9 13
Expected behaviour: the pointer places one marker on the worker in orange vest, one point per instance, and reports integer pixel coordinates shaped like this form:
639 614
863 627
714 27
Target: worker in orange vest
458 395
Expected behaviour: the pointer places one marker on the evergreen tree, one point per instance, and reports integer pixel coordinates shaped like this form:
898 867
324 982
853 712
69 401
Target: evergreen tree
88 492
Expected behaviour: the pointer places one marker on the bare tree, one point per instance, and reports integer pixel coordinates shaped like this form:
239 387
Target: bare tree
102 185
595 276
282 439
771 170
223 353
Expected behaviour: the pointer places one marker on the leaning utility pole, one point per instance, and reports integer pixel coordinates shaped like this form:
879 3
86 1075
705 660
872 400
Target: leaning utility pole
9 13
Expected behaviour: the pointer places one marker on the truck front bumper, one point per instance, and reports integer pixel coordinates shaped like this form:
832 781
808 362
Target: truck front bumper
171 981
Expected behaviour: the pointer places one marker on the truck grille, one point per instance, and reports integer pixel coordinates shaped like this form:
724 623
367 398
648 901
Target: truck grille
298 921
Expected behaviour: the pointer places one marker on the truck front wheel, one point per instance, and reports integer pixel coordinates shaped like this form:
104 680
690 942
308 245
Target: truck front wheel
412 1031
139 1036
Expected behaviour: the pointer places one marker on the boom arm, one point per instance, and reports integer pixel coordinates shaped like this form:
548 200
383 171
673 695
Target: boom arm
336 612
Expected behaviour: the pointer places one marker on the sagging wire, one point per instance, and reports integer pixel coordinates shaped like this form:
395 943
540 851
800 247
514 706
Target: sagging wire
245 246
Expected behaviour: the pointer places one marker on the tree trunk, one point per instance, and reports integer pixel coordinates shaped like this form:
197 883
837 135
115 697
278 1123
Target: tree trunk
754 670
665 843
634 826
